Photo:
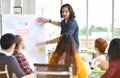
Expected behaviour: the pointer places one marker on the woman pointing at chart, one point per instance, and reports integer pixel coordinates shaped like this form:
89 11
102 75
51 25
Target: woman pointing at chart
68 24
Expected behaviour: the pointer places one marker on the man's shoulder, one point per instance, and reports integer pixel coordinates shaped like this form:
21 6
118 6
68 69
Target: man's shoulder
1 53
9 59
6 59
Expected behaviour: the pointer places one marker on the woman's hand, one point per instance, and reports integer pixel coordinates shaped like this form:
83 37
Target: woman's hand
41 44
42 20
104 65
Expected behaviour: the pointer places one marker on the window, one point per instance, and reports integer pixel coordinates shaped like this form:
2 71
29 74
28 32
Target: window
99 20
116 18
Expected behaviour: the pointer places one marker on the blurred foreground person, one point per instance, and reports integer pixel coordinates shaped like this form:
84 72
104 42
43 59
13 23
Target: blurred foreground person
66 53
114 60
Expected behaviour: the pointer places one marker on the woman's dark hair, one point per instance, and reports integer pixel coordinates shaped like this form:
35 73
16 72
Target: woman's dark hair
72 14
66 44
114 49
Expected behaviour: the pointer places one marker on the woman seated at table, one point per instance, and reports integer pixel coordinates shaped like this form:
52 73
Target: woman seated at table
100 62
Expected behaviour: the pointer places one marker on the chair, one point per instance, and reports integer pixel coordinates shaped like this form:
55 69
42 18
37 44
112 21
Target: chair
53 71
4 71
29 76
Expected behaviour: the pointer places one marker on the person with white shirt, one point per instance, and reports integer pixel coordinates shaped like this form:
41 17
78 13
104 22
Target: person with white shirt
7 44
100 62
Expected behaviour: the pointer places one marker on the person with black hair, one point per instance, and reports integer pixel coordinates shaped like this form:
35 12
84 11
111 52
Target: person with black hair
7 44
68 24
113 70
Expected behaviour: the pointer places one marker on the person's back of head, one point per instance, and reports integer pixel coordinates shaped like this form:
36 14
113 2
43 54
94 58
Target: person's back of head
7 40
114 49
66 44
66 47
101 44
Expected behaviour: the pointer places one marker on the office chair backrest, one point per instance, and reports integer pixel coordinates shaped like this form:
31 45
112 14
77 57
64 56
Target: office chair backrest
4 71
53 71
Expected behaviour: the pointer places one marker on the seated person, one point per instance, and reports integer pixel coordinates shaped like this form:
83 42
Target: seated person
100 62
20 57
66 53
114 60
7 43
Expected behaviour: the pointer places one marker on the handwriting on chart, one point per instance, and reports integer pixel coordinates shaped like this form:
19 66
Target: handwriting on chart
25 26
32 33
23 32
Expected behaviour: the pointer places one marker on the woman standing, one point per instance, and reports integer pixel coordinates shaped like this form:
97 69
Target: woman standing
68 24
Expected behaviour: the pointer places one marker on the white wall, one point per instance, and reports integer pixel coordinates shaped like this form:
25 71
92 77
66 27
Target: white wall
49 9
28 6
5 6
